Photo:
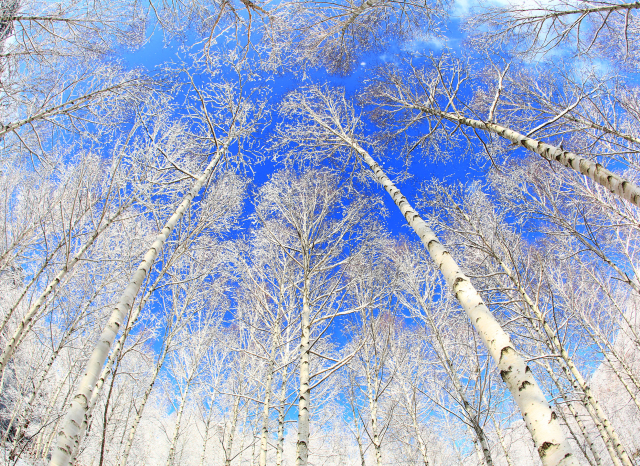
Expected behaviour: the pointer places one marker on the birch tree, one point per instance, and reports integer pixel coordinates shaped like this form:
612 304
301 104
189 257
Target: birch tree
432 93
325 115
238 125
320 225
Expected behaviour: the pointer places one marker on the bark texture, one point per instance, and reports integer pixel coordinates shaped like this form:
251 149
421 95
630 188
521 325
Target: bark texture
28 319
596 172
541 420
69 435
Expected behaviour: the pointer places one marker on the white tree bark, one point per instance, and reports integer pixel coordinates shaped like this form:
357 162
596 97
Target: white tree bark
302 448
228 456
265 409
576 416
28 319
541 420
281 416
596 172
507 457
480 439
45 372
411 409
176 433
373 411
611 437
145 398
69 436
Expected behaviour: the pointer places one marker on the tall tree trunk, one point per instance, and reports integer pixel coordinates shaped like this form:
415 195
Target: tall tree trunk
228 455
542 422
411 406
594 408
69 436
29 318
581 426
105 417
281 416
480 437
145 398
357 429
43 376
596 172
47 414
205 439
264 437
176 434
34 279
507 457
302 448
373 410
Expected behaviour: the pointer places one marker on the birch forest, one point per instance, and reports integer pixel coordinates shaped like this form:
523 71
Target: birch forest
319 233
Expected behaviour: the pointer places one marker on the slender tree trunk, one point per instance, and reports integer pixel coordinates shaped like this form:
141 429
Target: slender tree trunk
373 409
176 434
501 441
34 279
581 426
477 447
607 350
95 395
205 440
145 398
302 450
47 414
265 414
542 422
411 409
28 319
599 416
356 427
111 362
69 436
105 417
281 416
54 431
596 172
45 372
480 436
61 109
232 430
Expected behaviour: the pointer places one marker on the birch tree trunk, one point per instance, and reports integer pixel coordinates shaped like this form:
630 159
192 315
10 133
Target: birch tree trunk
302 448
542 422
36 277
356 426
145 398
176 434
610 437
411 409
95 394
232 429
281 416
265 413
205 440
581 426
69 435
477 430
373 409
43 376
501 441
596 172
28 319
